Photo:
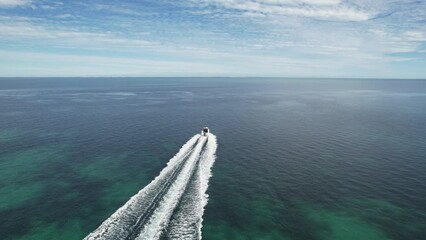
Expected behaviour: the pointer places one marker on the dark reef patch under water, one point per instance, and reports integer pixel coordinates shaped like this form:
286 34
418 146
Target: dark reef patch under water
307 159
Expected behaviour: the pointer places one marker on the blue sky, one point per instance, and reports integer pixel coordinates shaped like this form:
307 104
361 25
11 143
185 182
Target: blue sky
278 38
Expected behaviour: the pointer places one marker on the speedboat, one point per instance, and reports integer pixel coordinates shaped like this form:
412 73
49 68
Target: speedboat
205 131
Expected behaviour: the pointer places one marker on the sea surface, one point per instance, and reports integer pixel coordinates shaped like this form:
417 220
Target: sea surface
296 159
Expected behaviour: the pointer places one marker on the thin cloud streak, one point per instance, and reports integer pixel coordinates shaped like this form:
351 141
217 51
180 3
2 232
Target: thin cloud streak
14 3
323 9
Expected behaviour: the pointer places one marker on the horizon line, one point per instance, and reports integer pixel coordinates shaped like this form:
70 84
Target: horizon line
260 77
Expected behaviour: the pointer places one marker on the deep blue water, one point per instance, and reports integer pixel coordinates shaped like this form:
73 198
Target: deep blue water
296 159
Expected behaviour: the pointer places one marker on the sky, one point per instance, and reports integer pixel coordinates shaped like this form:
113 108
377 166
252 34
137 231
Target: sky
235 38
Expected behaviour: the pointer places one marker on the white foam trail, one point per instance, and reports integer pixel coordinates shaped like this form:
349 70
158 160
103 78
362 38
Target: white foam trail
161 216
119 225
205 174
186 222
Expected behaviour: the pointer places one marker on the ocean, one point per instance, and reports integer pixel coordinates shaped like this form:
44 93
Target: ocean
296 159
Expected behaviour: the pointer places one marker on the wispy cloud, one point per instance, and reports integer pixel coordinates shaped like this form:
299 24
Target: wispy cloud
323 9
14 3
26 29
415 36
115 9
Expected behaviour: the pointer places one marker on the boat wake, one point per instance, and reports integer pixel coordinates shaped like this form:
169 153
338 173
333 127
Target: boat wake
172 205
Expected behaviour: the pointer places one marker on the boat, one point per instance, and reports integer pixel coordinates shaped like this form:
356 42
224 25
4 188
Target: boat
205 131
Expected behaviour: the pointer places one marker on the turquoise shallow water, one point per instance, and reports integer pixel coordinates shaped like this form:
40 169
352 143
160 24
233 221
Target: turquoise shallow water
296 159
